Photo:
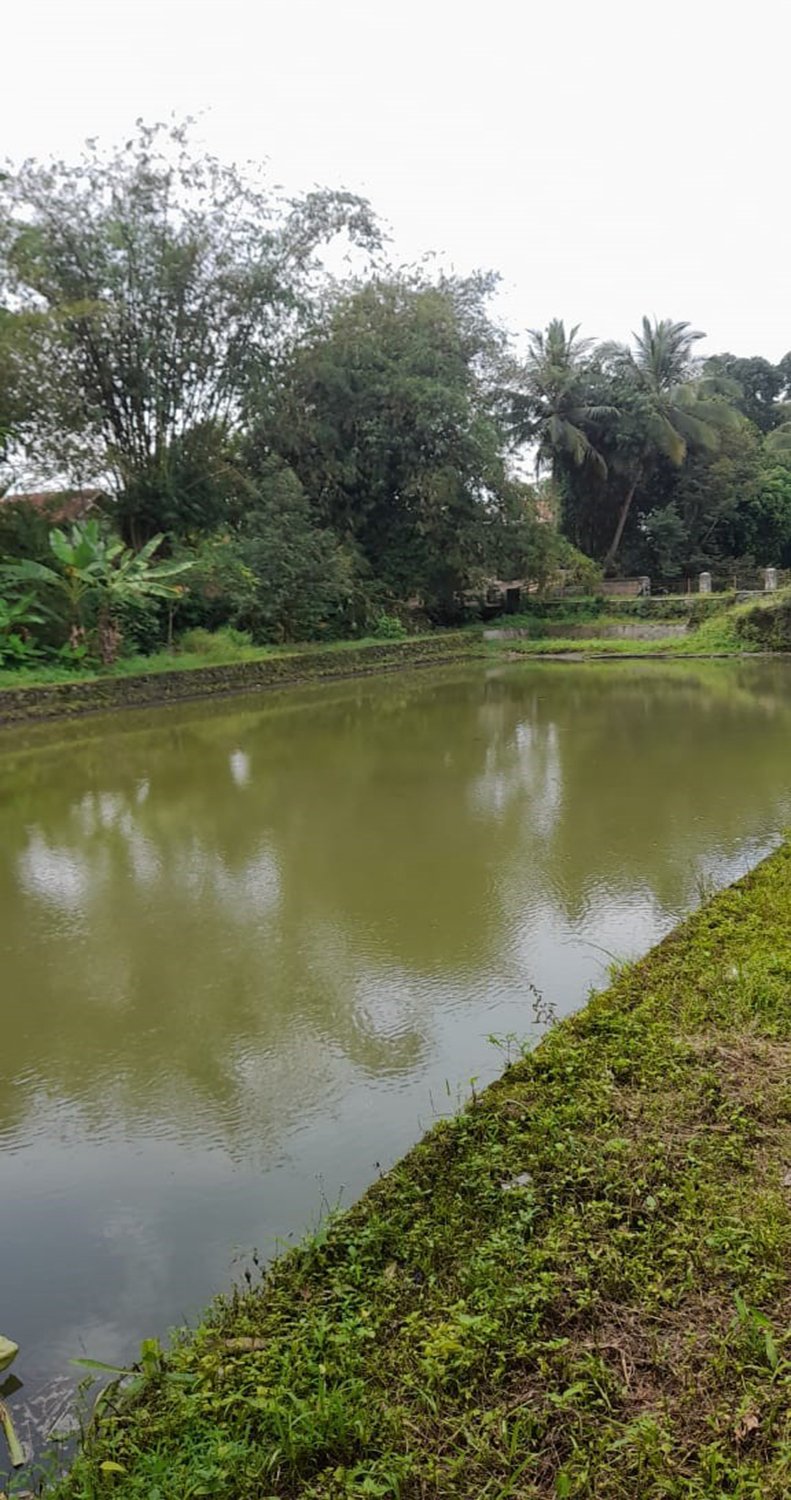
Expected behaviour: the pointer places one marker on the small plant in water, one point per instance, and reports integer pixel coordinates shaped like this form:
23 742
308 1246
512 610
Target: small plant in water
509 1045
545 1012
705 886
8 1353
129 1380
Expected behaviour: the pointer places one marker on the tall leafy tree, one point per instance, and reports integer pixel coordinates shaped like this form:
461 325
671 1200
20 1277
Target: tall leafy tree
778 441
757 387
676 407
706 512
387 413
164 284
15 392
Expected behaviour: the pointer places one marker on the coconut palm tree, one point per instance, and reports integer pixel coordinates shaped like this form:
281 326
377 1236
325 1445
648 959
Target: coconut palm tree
681 409
553 406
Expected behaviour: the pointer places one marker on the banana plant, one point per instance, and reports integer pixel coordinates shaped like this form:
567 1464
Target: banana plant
16 615
90 563
8 1353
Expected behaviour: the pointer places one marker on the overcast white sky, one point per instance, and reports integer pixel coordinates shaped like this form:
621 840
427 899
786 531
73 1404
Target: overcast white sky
608 157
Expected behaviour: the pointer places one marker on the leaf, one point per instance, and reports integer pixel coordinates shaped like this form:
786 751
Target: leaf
8 1352
109 1466
98 1364
16 1452
749 1423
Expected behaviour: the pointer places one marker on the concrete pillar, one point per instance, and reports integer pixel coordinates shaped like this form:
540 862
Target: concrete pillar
704 583
770 580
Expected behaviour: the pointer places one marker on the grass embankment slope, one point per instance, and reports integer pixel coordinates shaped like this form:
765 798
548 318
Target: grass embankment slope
581 1286
717 627
130 686
221 654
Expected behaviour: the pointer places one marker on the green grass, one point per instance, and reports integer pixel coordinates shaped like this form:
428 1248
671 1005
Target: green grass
580 1286
718 627
717 636
221 654
552 614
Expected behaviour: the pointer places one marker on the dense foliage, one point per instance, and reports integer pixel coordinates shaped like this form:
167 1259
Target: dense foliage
316 453
661 463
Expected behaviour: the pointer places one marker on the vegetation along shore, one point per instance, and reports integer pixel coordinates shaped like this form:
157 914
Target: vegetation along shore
203 431
579 1286
224 469
593 628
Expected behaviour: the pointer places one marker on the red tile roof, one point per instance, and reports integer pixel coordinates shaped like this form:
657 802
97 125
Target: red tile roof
58 505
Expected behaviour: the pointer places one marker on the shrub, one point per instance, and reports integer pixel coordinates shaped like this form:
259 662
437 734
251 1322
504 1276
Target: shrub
389 628
767 627
225 644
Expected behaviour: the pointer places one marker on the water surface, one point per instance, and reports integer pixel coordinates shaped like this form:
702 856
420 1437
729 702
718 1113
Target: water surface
249 950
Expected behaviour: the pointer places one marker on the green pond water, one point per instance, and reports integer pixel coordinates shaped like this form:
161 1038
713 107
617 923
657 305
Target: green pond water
250 950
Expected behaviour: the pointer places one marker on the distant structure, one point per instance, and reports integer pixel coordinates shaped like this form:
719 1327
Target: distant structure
58 505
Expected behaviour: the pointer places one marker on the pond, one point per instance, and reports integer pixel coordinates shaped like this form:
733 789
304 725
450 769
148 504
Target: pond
250 950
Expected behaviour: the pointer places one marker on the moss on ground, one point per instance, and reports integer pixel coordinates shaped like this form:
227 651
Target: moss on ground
580 1286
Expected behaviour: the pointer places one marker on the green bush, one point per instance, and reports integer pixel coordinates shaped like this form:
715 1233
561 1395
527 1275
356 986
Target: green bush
767 627
225 644
389 628
704 606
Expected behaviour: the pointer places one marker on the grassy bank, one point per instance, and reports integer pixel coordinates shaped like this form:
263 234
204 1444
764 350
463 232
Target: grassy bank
147 681
717 636
580 1286
716 627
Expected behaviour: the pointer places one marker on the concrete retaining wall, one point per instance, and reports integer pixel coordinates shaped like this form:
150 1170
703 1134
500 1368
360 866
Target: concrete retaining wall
91 695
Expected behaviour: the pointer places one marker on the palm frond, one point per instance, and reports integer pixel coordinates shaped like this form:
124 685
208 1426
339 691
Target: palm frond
669 440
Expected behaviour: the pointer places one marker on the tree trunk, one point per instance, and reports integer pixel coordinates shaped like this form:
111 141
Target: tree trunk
108 636
622 519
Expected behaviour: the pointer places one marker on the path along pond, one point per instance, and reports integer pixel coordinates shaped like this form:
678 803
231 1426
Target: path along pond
249 950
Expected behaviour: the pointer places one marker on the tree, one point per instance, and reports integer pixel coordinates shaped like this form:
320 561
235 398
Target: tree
163 285
769 516
15 403
778 442
704 513
305 581
677 408
553 405
387 414
760 387
525 544
91 565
